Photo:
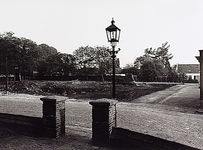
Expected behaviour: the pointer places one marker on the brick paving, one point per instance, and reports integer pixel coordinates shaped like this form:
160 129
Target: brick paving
170 114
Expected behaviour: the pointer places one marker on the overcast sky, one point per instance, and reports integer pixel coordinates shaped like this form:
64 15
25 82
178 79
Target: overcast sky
69 24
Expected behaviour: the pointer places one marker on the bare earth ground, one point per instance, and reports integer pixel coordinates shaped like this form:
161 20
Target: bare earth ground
170 114
86 90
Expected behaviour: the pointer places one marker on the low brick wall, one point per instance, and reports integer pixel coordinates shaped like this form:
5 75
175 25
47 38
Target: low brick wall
22 124
51 125
125 138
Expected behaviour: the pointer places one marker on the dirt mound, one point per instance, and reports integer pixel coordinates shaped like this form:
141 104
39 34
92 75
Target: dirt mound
57 87
30 87
43 87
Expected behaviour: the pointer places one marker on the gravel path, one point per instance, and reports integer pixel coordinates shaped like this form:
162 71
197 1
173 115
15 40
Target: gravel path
169 114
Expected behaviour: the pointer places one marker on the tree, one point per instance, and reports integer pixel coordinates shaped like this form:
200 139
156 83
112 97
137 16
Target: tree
130 69
58 64
104 60
68 61
7 47
20 52
158 59
27 55
163 55
94 60
46 51
51 66
148 71
47 65
84 57
173 76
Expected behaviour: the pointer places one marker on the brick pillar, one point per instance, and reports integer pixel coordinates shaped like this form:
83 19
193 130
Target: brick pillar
103 119
200 59
53 116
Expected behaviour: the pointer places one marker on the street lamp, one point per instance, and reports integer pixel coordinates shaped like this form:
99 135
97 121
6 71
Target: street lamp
113 36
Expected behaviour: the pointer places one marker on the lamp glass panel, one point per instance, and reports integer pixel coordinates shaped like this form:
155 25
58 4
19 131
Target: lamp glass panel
113 35
108 35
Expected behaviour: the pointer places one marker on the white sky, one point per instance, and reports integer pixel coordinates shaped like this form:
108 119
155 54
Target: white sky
69 24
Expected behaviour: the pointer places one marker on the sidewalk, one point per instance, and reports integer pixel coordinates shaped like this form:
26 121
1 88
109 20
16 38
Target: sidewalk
169 114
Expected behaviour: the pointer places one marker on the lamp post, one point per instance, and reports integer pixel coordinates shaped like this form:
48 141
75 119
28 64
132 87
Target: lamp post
113 35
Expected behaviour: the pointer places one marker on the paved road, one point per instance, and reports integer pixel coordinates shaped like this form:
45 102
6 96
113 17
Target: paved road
169 114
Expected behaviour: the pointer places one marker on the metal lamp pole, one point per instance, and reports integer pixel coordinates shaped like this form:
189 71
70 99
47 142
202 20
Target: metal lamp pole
113 78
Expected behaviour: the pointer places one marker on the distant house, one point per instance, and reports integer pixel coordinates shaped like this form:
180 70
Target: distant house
192 71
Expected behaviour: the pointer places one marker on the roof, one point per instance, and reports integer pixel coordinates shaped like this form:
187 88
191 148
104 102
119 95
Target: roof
188 68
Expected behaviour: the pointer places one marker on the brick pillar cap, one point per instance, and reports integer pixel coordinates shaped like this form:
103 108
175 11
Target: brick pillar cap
103 101
53 98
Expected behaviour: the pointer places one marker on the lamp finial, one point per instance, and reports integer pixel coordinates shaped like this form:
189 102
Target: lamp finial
112 22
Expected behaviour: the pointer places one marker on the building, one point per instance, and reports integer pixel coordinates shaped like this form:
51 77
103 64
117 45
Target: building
192 71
